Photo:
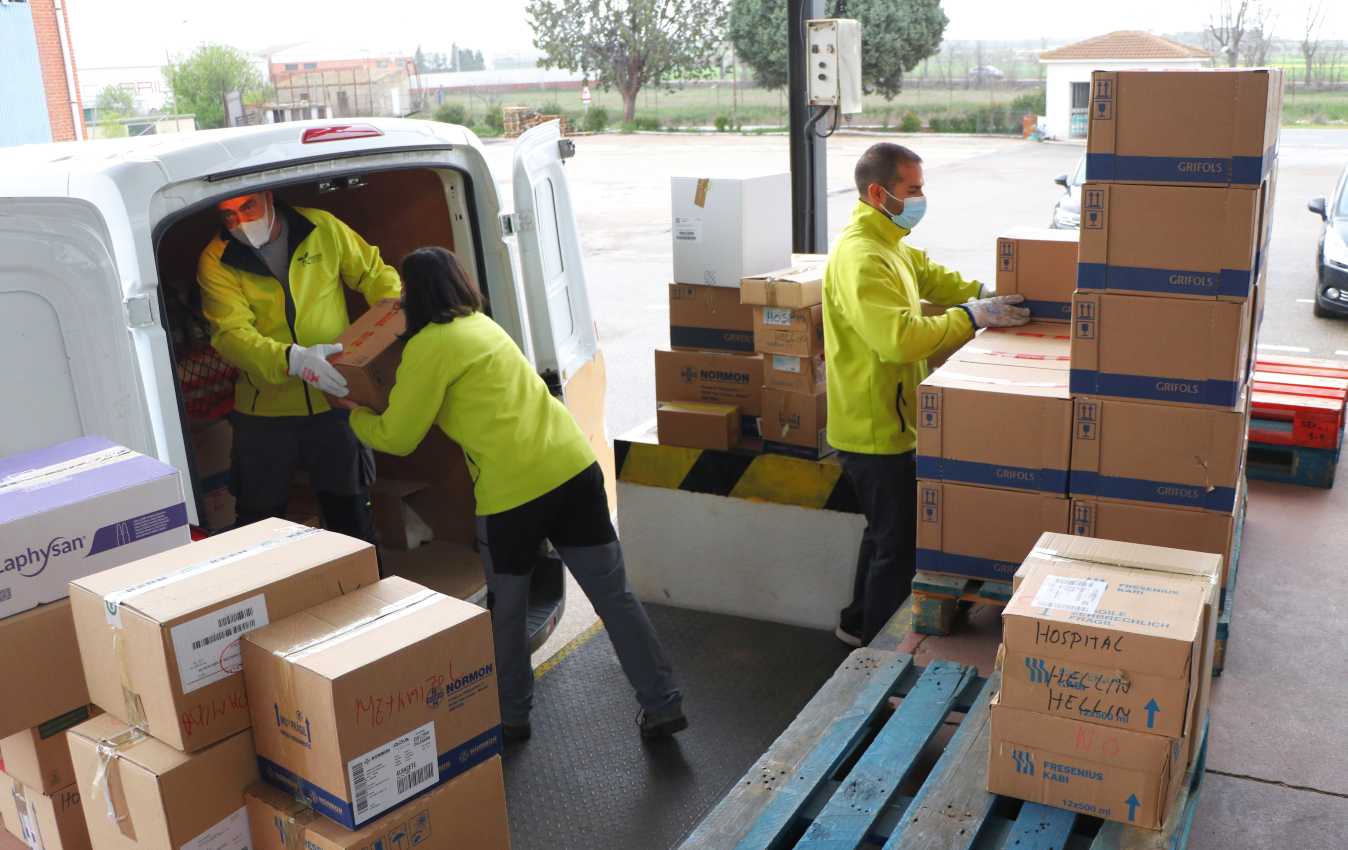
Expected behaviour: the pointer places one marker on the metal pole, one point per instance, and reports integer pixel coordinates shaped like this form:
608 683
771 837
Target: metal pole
809 200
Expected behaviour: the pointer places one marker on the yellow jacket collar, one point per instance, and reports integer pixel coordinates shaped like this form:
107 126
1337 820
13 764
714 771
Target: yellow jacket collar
877 224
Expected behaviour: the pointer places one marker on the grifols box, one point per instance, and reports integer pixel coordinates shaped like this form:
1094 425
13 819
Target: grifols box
77 508
368 700
159 638
1040 264
1193 127
1038 345
982 532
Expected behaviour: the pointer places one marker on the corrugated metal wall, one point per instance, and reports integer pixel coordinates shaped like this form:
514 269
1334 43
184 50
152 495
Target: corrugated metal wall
23 104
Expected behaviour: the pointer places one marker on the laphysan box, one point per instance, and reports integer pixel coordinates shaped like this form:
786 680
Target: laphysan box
79 507
1193 127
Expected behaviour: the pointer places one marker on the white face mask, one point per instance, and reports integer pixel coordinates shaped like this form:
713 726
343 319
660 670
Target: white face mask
256 232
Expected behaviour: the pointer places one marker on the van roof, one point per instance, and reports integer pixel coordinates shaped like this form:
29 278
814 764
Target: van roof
194 155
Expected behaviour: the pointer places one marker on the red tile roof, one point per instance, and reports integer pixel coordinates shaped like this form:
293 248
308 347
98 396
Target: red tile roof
1125 44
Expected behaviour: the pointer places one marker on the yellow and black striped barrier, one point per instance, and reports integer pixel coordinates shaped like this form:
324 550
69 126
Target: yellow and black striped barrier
815 484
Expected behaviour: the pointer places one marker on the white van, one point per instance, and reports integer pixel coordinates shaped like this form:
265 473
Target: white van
100 324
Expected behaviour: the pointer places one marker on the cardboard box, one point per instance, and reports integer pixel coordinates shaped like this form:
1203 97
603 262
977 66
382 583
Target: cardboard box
803 375
793 287
728 228
43 822
781 330
1032 409
40 757
212 452
1164 454
711 378
1174 241
372 348
40 667
396 523
1041 264
159 637
982 532
79 507
468 811
1174 350
697 425
709 318
160 798
11 842
1040 345
366 701
796 420
1115 774
1205 127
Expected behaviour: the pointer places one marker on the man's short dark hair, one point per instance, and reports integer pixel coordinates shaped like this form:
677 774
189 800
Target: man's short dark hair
880 164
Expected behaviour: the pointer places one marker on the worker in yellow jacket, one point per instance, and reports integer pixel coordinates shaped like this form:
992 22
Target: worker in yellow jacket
876 344
272 287
535 478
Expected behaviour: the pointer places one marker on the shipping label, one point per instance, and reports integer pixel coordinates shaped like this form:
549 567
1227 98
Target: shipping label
232 833
207 648
394 772
1074 595
687 229
786 364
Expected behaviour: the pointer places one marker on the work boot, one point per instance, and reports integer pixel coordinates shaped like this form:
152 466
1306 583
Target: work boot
662 723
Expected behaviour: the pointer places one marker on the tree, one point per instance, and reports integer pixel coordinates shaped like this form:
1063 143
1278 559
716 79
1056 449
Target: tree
200 82
1258 42
1233 20
469 60
626 44
895 36
1310 36
115 101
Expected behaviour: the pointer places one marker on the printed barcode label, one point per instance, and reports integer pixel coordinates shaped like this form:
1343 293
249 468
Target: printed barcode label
1074 595
688 229
207 648
232 833
392 773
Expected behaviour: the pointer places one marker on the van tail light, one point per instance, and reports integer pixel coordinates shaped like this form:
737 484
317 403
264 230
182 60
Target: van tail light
339 132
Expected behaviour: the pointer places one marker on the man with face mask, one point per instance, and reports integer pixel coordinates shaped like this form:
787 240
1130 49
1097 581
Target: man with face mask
876 344
272 287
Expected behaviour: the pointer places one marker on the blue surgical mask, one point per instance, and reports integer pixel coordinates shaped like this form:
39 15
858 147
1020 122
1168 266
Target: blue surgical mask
913 210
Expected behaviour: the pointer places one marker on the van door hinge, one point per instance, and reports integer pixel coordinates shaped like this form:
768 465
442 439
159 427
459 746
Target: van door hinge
139 311
512 224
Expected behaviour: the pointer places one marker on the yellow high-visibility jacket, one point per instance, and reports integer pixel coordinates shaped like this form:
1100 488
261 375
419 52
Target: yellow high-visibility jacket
468 377
255 318
876 340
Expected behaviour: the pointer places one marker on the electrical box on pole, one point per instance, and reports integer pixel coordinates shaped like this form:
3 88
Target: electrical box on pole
833 57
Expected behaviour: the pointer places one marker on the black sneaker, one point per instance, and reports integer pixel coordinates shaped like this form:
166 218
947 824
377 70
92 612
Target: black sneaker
662 724
514 734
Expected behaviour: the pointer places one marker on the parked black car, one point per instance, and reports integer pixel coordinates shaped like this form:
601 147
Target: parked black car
1331 255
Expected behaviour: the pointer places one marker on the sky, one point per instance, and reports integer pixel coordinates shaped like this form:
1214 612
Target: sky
106 35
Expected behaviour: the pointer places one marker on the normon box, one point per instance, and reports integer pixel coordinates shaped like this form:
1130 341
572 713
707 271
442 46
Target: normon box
1176 350
712 378
370 699
982 532
1041 264
79 507
1031 407
1170 240
1205 127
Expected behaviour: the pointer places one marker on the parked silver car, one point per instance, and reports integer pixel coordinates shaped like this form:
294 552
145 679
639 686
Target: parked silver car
1067 210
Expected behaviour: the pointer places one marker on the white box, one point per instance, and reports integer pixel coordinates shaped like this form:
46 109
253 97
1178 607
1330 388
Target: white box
78 508
729 228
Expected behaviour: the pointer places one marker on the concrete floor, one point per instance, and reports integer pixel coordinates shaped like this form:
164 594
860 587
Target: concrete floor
1278 766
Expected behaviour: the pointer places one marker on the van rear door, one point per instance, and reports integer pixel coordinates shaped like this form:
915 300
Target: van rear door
67 357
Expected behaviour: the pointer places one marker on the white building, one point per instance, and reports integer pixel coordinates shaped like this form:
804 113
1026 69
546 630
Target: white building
1068 72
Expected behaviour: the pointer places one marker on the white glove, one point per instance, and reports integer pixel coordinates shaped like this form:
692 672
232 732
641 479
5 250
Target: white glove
311 366
998 311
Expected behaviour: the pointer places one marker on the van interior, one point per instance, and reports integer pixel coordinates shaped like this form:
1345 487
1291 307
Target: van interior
423 503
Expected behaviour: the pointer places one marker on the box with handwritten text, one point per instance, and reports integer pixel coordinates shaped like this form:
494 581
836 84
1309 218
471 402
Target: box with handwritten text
159 637
371 699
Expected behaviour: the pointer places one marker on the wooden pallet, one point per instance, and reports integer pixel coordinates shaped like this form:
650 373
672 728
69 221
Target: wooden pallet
1292 464
851 773
937 599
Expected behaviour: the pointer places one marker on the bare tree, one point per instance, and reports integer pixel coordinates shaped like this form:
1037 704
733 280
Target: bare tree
1258 39
1228 26
1310 36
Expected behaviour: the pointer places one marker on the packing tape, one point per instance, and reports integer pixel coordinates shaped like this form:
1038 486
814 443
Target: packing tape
135 706
288 822
400 608
28 828
1003 382
700 194
110 750
48 475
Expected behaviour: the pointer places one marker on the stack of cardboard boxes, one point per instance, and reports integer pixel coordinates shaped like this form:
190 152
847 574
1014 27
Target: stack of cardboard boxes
709 385
1176 211
1106 670
65 511
275 652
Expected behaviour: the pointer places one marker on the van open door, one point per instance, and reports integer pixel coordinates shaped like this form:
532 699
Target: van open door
561 328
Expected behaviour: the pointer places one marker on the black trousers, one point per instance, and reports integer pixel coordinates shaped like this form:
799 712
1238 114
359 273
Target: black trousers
267 452
886 486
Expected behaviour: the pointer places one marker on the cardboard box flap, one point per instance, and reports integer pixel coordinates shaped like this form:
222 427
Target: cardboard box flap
185 580
1040 234
69 473
1122 554
1008 378
133 748
802 273
706 408
1038 343
1128 750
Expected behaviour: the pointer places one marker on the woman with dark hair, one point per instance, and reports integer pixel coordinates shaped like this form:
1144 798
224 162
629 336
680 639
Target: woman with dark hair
535 477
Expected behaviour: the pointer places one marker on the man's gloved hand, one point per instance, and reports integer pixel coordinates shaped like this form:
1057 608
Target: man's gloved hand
311 366
999 311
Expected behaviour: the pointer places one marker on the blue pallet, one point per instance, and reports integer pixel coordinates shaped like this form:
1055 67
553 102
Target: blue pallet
1292 464
852 773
